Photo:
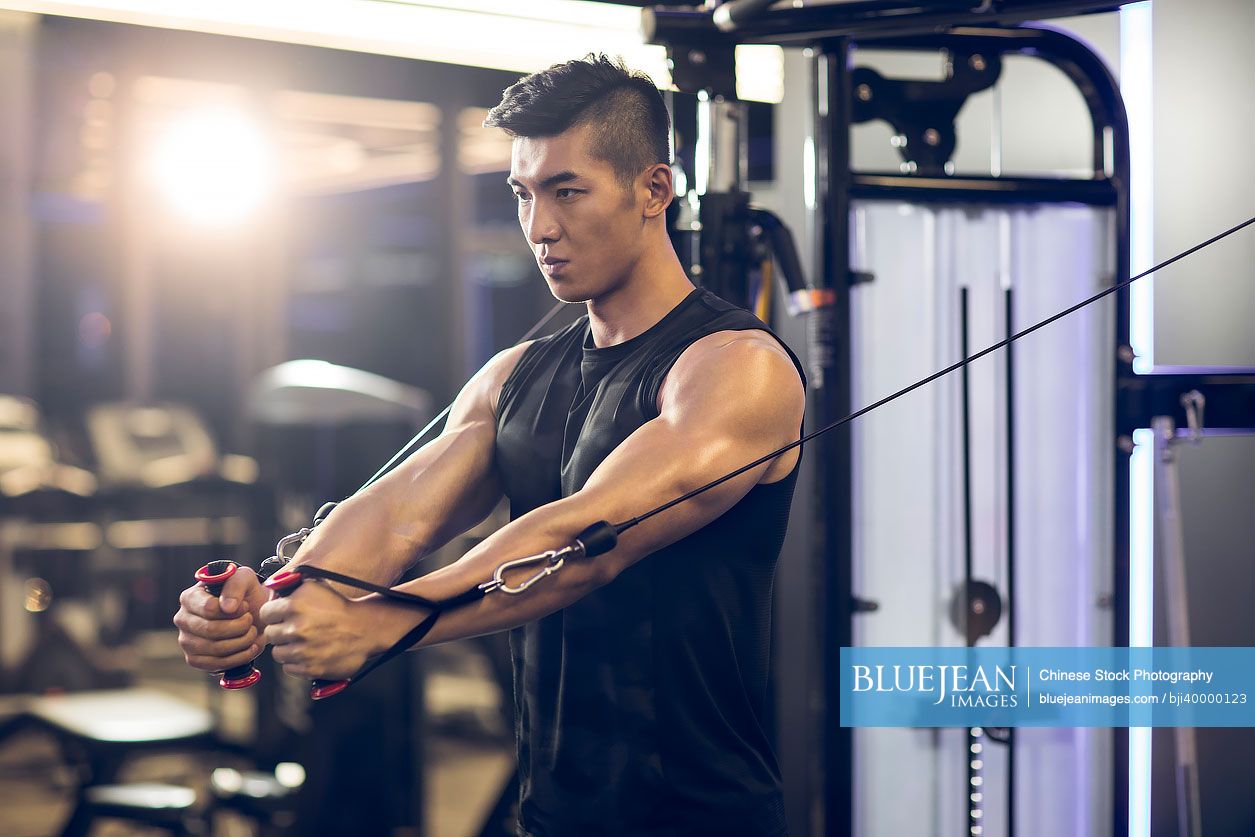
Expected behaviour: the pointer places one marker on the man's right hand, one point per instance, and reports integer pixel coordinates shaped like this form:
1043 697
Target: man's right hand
220 632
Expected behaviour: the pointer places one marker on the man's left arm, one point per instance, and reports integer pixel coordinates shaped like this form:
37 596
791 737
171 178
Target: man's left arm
729 399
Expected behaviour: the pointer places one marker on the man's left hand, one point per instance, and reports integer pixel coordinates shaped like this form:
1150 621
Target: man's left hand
315 632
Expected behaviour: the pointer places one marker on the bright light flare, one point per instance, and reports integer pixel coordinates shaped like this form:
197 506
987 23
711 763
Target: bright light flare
214 167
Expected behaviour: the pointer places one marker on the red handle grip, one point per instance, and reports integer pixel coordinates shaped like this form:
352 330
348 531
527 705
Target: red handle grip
282 584
212 576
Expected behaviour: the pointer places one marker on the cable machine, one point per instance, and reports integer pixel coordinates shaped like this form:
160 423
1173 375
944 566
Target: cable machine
954 263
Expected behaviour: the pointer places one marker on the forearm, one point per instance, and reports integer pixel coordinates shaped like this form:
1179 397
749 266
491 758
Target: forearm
550 527
439 492
555 526
362 538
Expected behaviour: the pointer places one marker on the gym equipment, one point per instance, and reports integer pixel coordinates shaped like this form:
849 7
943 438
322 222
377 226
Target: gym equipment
98 731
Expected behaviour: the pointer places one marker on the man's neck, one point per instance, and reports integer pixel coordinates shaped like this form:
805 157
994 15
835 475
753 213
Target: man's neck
655 286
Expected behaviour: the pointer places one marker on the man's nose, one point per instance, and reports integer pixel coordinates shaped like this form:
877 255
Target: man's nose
540 224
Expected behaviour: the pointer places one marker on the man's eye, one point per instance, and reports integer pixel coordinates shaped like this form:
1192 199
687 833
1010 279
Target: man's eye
567 193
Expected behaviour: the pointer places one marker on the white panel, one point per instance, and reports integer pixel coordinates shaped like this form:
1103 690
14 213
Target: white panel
1204 116
907 528
1064 495
908 486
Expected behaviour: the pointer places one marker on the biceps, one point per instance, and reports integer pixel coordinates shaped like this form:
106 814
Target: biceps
660 463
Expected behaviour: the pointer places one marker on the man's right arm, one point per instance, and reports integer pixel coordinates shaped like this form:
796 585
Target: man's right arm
441 490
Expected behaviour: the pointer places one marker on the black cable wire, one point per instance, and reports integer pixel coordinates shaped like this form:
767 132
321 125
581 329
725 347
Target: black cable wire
628 524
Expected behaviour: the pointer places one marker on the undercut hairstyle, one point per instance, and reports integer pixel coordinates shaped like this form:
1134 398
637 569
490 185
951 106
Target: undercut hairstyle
631 129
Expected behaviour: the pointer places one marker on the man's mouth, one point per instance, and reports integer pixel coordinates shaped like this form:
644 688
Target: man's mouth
553 266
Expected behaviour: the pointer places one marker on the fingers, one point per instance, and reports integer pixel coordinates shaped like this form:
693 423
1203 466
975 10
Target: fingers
211 640
221 632
288 656
194 645
298 661
282 633
276 611
197 600
217 663
217 644
289 650
241 587
213 629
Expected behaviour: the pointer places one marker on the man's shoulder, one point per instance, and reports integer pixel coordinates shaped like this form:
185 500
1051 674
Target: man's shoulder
733 341
499 367
742 364
734 352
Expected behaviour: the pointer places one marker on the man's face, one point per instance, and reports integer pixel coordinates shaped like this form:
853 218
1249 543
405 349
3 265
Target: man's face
584 226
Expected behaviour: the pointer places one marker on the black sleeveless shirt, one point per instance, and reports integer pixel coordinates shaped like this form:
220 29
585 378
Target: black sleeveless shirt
640 707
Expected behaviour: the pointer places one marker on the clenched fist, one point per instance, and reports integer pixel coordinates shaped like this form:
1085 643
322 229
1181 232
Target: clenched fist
220 632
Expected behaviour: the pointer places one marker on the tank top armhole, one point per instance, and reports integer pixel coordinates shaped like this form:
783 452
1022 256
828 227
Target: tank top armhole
530 357
649 393
510 385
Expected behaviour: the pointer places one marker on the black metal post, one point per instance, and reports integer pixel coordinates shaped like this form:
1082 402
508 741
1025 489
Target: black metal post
974 808
829 355
1011 593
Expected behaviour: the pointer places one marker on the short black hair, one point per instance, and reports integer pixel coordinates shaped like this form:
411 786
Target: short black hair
631 126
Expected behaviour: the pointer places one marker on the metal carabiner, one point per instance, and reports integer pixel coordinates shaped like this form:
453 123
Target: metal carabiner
595 540
298 537
552 559
277 561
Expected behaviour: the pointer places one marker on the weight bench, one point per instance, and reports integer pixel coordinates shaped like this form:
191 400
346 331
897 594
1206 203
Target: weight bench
99 731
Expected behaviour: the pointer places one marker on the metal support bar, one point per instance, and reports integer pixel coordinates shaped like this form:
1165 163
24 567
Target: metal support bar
804 25
722 140
918 189
1229 394
831 398
1172 549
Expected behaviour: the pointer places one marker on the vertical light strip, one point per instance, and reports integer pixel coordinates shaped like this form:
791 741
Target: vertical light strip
1141 538
701 150
1136 87
1141 611
808 173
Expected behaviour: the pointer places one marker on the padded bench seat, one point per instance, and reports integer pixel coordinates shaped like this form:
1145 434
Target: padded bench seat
99 730
122 716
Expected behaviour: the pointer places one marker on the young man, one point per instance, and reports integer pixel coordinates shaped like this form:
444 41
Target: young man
640 675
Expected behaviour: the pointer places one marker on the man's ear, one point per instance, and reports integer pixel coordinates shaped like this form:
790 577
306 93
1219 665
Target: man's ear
660 188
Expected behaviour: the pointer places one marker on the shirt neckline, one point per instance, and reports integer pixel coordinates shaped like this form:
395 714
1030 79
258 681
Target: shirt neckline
595 354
